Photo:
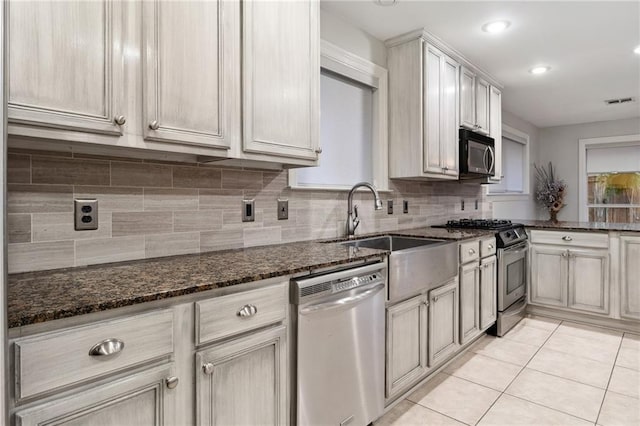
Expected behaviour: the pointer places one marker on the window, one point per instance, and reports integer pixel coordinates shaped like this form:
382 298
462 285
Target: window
612 179
515 164
353 124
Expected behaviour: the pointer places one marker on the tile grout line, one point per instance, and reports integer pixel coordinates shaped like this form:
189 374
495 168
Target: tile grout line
610 376
436 411
518 375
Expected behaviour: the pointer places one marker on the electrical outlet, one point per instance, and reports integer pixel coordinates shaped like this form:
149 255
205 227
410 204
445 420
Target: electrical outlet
248 211
389 206
283 209
85 214
462 205
405 206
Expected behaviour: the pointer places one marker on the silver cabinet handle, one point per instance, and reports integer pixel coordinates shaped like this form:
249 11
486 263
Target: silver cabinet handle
318 150
207 368
107 347
567 238
247 311
120 120
154 125
472 251
172 382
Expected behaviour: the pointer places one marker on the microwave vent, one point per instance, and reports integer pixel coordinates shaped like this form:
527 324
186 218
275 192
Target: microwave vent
619 101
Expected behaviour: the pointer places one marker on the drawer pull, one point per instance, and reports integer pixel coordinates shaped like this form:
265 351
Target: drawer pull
491 247
107 347
120 120
154 125
207 368
247 311
172 382
472 251
567 238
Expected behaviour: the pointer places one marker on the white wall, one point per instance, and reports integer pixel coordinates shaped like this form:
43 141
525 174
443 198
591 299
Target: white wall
336 30
519 206
560 146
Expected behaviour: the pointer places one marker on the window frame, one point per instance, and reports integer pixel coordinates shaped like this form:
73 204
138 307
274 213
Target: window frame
346 64
583 146
523 138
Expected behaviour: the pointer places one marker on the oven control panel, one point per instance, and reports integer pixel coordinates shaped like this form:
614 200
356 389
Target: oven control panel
511 236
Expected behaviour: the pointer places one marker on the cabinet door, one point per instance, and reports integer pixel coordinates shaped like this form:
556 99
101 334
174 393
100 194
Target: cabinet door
443 322
549 275
469 301
589 280
281 75
433 83
65 65
630 277
482 106
406 344
495 130
243 382
191 72
450 116
488 296
142 399
467 98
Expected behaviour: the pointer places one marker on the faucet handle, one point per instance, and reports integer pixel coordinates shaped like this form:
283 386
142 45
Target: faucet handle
355 211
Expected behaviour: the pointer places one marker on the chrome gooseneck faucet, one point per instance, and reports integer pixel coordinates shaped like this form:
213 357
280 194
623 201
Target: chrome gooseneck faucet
352 211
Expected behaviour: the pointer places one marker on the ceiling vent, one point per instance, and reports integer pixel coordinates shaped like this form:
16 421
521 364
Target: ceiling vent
619 101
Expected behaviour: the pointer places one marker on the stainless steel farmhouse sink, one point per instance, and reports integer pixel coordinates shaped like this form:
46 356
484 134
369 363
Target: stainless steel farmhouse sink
415 264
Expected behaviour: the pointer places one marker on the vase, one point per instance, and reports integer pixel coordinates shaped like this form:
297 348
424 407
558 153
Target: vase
553 216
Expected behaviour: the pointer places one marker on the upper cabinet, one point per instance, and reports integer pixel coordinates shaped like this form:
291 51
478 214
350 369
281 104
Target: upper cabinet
433 91
66 65
281 78
212 79
191 72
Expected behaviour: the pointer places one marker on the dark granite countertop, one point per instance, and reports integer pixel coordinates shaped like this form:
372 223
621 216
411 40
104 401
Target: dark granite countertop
36 297
581 226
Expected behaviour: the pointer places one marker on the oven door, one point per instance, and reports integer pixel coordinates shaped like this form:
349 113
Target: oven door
512 275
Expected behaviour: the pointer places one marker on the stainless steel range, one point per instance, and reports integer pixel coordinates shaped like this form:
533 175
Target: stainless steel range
511 240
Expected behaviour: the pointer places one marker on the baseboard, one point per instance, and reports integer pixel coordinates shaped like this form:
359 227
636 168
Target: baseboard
628 326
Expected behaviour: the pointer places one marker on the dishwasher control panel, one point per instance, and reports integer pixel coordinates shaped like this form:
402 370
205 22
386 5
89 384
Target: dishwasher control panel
355 282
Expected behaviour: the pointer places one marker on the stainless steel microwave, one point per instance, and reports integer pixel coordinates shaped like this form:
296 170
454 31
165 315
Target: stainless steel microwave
477 155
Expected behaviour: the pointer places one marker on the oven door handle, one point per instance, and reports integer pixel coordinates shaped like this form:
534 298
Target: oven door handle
515 252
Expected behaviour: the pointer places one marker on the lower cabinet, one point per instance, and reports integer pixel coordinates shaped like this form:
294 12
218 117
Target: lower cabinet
575 278
406 359
630 277
443 322
243 381
488 295
143 399
469 301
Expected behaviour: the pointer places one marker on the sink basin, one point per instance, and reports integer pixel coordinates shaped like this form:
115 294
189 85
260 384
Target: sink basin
416 265
393 243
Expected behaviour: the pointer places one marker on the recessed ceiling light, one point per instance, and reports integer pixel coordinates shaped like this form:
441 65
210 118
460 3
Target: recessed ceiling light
539 70
637 50
496 26
385 2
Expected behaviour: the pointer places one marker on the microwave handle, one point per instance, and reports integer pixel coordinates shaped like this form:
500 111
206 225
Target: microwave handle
493 158
484 157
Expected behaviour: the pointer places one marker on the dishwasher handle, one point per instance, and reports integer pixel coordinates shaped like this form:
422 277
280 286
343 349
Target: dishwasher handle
360 295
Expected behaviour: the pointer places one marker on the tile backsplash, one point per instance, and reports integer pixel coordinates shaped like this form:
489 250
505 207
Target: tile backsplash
151 209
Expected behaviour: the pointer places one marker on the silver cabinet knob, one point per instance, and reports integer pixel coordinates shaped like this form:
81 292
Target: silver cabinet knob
445 168
565 254
567 238
172 382
435 299
207 368
318 150
491 247
107 347
247 311
154 125
472 251
120 120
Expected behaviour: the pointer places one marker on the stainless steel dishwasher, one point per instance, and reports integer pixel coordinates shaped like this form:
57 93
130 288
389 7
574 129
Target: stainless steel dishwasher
340 346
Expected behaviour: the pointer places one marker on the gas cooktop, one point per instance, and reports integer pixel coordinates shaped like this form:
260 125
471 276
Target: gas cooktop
491 224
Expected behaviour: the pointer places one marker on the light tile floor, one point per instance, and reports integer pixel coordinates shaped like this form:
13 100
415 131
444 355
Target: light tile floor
543 372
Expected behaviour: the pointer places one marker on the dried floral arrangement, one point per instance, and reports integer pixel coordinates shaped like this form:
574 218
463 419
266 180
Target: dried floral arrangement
550 190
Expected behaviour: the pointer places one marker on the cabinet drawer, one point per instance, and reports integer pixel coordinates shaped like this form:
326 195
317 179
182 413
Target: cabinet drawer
221 316
575 239
487 247
58 359
469 251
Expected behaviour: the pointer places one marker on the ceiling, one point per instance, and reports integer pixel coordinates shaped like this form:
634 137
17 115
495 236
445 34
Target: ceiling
588 45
